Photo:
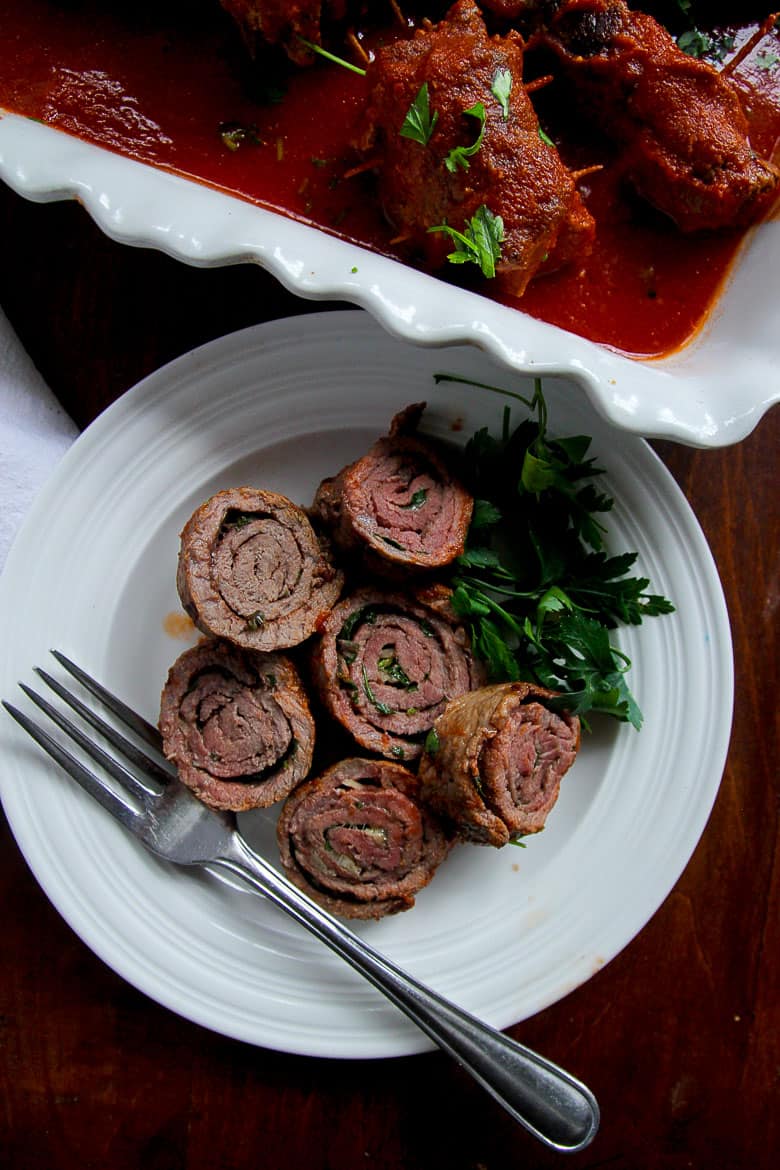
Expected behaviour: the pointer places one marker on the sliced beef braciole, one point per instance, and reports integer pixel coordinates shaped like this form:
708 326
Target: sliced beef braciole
400 502
386 664
358 840
253 570
494 761
237 725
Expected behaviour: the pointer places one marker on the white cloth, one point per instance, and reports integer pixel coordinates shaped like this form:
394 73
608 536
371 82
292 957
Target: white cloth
35 432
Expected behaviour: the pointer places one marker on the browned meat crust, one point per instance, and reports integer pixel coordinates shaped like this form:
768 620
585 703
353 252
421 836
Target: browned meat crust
252 570
358 840
515 174
284 22
387 664
237 725
400 501
495 767
679 120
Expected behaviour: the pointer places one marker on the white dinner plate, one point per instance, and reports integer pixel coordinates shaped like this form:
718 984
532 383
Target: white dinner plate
502 932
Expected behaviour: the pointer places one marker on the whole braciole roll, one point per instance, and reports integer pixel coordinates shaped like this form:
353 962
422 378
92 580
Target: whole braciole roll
253 570
237 725
494 761
358 840
387 664
400 502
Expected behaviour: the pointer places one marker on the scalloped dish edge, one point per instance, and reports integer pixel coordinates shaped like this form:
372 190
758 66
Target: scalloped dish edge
711 393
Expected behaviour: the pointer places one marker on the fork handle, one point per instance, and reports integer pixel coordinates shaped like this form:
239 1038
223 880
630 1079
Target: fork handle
552 1105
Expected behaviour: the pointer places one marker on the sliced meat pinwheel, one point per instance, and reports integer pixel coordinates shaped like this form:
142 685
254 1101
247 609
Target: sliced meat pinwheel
494 761
253 570
358 840
400 502
387 664
237 725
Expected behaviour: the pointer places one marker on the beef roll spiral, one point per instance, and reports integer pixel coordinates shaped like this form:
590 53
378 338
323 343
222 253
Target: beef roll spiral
494 761
386 665
237 725
253 570
400 501
358 840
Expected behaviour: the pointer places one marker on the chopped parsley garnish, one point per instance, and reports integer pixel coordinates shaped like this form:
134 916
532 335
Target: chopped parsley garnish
535 585
419 123
234 135
546 139
696 43
255 621
480 241
501 87
459 155
765 60
432 742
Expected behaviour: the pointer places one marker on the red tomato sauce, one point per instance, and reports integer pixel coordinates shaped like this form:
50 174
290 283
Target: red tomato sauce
163 86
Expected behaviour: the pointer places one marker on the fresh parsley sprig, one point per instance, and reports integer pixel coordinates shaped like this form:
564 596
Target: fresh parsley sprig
318 49
459 155
479 242
419 123
501 88
535 585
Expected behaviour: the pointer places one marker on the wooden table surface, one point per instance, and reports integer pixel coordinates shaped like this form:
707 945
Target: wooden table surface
678 1036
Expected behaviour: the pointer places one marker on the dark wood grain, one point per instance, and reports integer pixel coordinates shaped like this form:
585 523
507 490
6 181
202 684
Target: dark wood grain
678 1036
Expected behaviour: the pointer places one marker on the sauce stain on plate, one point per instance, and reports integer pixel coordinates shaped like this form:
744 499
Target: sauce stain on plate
178 625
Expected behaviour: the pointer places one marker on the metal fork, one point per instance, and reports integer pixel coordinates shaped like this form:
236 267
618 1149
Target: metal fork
172 823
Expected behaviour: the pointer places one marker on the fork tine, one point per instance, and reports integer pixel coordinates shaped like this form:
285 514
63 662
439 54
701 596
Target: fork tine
97 788
129 717
131 783
162 773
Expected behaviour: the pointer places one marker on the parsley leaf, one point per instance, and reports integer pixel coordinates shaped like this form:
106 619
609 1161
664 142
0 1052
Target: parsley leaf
501 87
459 155
535 585
480 241
418 499
419 124
696 43
546 139
484 514
234 135
766 60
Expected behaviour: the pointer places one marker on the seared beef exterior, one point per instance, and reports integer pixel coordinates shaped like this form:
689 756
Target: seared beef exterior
387 663
514 173
358 840
400 502
237 725
252 570
494 761
678 119
284 22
